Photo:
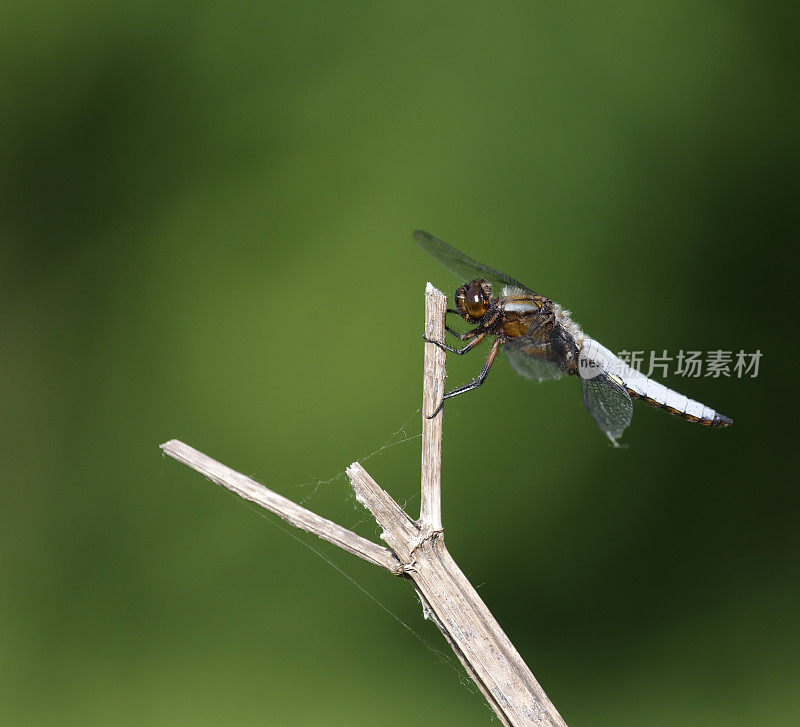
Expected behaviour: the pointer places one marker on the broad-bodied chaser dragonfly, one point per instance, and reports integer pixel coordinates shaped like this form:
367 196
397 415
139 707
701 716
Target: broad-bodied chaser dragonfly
542 342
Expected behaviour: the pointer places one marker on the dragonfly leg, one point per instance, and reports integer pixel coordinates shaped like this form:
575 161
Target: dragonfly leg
463 336
476 339
475 383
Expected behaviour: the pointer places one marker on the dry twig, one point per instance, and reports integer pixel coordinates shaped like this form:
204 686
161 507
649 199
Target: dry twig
416 551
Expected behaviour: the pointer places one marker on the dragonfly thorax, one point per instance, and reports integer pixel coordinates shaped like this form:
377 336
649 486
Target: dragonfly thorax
473 299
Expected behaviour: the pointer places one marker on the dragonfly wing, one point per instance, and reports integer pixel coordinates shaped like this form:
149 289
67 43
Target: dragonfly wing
463 266
609 404
529 360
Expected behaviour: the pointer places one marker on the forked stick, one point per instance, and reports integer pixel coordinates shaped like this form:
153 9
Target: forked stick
416 550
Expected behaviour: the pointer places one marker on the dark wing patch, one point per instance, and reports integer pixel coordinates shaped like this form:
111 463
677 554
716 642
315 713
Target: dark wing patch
463 266
532 367
532 361
544 353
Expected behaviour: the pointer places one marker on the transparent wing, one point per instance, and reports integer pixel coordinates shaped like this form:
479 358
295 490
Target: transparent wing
533 360
609 404
532 367
463 266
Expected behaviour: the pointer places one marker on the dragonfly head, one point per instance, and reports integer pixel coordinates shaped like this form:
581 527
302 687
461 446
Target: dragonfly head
473 298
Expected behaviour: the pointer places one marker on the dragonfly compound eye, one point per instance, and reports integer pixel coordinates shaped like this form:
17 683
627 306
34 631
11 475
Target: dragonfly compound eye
473 299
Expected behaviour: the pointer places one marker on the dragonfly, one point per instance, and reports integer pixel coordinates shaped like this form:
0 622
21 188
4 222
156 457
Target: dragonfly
542 342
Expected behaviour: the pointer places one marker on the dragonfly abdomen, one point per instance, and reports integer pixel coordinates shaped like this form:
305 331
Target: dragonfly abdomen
680 405
652 392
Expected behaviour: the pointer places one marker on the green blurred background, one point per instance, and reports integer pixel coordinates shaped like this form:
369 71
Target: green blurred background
206 213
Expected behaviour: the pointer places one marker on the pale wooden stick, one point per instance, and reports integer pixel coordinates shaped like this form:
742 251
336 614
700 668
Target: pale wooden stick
292 513
491 659
432 392
417 552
